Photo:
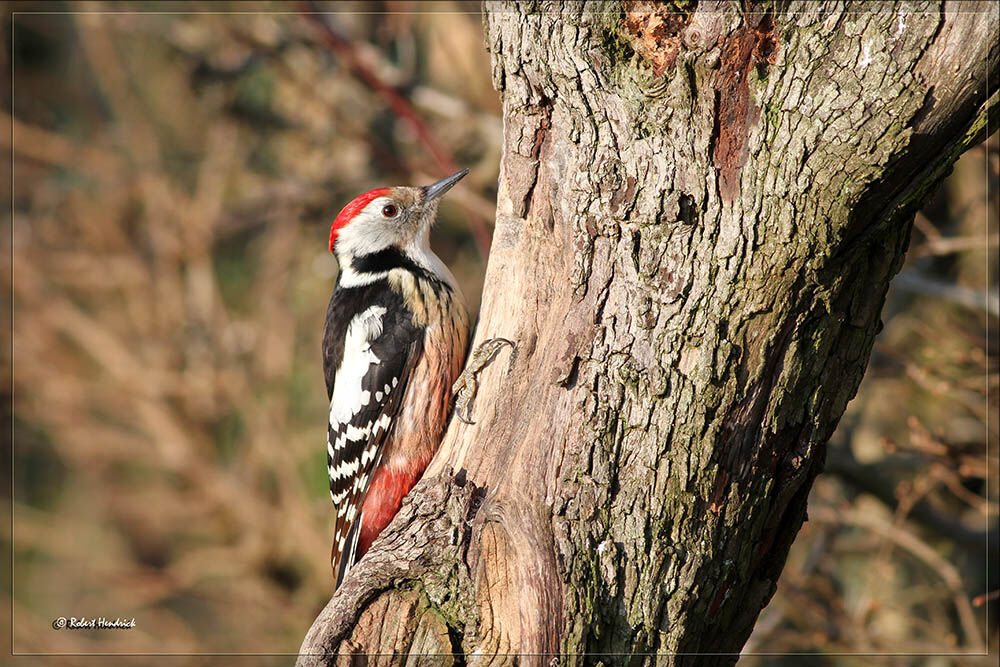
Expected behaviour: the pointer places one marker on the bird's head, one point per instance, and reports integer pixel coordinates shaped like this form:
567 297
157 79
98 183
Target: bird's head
388 218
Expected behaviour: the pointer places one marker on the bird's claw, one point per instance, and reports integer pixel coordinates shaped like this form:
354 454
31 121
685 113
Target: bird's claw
467 385
458 413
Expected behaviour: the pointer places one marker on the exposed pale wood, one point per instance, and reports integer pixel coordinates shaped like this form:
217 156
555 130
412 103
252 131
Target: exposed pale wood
692 266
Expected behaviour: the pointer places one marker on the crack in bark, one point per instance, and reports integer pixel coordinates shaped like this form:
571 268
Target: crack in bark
736 114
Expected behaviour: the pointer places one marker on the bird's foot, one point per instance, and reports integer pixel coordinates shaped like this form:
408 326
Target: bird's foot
467 385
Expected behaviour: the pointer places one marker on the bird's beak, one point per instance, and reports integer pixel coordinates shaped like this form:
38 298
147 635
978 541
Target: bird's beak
435 190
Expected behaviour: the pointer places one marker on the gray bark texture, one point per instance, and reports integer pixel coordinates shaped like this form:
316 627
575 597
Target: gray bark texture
701 207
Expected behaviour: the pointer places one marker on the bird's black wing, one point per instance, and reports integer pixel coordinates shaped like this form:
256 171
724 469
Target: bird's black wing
367 363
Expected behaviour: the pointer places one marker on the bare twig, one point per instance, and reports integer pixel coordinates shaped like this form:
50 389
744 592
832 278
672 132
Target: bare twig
400 106
872 479
986 299
923 552
956 244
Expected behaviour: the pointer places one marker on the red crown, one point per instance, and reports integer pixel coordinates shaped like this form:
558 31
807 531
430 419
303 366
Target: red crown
352 209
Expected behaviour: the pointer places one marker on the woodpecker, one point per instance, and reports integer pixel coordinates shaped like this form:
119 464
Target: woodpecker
393 345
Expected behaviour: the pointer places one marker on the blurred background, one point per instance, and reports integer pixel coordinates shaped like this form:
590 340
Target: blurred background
174 178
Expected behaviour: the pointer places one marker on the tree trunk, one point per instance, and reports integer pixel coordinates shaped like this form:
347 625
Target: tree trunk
698 218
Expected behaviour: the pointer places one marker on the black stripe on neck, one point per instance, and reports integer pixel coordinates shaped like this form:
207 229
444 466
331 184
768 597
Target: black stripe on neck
388 259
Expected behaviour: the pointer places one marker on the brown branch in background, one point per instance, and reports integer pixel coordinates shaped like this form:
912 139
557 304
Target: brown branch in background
475 203
400 106
309 90
871 479
919 549
954 245
977 299
41 145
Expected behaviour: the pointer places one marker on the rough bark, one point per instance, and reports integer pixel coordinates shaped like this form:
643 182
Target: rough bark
698 218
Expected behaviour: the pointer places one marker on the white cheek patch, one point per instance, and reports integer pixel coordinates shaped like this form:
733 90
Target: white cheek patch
369 231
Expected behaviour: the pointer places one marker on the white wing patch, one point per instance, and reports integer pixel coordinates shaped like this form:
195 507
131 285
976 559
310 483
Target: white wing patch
348 397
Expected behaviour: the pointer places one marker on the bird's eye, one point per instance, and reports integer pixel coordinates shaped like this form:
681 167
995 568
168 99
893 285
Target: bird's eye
389 210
